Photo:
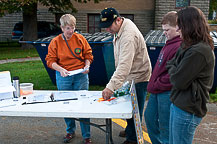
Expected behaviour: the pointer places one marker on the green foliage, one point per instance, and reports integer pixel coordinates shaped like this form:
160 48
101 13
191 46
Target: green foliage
12 51
11 6
29 10
9 44
96 88
212 6
34 72
212 21
213 97
30 72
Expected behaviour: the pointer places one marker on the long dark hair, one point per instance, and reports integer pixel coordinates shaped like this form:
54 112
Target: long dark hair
194 26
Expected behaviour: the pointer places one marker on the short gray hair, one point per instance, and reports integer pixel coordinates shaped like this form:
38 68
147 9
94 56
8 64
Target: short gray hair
68 19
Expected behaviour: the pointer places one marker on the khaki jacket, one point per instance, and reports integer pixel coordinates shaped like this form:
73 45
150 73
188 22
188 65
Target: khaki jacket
131 57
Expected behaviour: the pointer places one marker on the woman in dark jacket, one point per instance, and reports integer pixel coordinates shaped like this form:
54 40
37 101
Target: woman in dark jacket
191 75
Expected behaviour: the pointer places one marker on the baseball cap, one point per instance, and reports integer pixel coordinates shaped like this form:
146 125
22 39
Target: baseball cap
107 16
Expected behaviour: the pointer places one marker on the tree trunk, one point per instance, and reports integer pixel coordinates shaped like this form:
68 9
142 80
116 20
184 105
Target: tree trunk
29 24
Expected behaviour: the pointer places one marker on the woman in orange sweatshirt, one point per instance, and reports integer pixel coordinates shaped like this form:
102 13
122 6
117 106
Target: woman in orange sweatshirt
66 52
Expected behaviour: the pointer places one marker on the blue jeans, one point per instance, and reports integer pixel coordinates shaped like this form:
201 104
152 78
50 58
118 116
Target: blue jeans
157 115
182 126
141 91
75 82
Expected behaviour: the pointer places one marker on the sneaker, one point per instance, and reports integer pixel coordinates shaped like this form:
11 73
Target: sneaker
87 141
122 134
68 137
129 142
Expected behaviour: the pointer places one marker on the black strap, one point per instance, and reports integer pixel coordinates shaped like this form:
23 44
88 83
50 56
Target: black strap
71 50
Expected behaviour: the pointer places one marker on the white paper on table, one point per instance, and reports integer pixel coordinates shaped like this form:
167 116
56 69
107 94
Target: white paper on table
7 103
71 95
64 95
77 71
97 93
7 95
7 89
70 105
34 98
84 93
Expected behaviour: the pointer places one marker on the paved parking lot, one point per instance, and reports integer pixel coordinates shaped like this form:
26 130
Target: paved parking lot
206 132
23 130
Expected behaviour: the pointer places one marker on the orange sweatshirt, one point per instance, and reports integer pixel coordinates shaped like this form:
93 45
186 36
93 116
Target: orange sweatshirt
59 52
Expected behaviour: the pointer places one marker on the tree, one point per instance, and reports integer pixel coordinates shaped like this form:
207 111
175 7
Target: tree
212 7
29 11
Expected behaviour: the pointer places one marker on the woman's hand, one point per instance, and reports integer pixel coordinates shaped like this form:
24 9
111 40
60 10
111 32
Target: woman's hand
64 72
60 69
87 69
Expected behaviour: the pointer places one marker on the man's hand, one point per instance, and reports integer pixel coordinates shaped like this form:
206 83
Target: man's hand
107 93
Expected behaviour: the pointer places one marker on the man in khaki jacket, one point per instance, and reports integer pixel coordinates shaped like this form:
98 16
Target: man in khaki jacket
131 61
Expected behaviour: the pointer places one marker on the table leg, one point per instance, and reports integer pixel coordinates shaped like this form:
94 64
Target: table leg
109 131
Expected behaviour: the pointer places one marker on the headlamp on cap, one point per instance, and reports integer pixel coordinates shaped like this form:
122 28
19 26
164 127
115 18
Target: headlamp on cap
107 17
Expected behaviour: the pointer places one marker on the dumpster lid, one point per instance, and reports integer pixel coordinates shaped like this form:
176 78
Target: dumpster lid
214 37
157 38
99 37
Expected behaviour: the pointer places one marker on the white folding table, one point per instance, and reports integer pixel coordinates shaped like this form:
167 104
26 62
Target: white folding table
86 106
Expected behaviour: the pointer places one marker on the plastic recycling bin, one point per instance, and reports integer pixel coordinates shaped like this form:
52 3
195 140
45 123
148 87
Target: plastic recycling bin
155 40
102 67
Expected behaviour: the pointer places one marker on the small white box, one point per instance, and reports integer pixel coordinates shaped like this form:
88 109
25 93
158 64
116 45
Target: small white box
6 88
7 95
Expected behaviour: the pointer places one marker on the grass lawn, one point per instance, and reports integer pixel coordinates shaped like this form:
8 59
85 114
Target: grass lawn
30 72
34 72
13 51
213 97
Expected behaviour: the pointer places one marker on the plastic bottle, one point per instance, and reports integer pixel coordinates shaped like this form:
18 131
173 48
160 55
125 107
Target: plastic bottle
16 84
124 90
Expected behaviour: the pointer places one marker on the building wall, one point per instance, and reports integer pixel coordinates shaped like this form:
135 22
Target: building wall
144 20
143 11
164 6
147 13
121 5
6 24
8 21
143 15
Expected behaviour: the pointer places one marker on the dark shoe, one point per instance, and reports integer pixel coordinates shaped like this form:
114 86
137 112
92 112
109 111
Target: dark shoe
68 137
87 141
130 142
122 134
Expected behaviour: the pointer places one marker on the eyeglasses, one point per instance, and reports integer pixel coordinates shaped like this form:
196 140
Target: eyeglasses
69 28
